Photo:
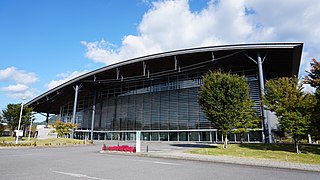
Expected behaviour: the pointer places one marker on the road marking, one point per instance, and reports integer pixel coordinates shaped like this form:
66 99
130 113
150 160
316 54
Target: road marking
78 175
159 162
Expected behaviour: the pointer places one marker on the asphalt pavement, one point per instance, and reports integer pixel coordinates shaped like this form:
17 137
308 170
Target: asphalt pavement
86 162
176 150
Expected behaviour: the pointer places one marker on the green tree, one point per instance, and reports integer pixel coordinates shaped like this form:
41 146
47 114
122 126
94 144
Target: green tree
313 78
224 98
11 116
313 107
291 105
248 120
62 128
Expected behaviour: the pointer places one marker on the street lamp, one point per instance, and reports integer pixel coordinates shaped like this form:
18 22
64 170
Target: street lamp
30 129
17 134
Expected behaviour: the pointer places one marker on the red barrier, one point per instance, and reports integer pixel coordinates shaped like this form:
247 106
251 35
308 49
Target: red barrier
123 148
104 147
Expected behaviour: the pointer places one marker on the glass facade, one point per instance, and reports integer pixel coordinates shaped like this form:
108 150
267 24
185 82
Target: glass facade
158 94
164 108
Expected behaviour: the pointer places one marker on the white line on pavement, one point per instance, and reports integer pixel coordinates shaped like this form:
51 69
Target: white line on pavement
78 175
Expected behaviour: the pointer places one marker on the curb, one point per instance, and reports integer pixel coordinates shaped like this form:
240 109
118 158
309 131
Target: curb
229 160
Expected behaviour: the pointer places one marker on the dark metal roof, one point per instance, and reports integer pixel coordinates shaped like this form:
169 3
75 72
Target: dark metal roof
282 59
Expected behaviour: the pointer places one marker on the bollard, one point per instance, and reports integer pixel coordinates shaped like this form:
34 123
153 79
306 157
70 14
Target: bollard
147 148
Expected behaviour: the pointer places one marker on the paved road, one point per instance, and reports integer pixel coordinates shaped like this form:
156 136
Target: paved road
87 163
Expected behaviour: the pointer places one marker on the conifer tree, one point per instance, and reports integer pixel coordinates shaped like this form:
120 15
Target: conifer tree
313 78
11 115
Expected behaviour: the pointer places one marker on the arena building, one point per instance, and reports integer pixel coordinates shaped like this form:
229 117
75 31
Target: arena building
158 94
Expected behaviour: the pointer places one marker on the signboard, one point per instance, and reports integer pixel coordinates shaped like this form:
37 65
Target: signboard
20 132
138 147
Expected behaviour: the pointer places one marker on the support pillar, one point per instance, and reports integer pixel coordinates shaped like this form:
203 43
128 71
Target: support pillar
117 73
263 111
216 135
93 114
176 64
144 66
60 113
74 108
47 120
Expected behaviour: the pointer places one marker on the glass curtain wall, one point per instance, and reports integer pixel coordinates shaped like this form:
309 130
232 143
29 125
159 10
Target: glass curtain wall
153 106
159 104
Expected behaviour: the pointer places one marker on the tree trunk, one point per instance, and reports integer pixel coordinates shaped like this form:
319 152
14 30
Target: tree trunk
296 145
241 138
225 144
309 139
25 130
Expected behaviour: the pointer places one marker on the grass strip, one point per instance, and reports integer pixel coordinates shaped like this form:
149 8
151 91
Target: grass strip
10 141
310 154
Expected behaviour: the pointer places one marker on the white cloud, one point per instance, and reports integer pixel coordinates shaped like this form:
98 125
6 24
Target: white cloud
288 20
101 51
18 83
64 78
19 76
15 88
170 25
27 94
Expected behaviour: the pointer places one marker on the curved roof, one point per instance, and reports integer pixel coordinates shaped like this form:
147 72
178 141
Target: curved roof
280 58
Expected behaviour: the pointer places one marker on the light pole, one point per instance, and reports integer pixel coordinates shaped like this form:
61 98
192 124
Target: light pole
30 129
19 121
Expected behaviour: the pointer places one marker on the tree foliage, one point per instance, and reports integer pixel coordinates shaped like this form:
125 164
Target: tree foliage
291 105
248 119
63 129
313 78
315 120
224 98
11 116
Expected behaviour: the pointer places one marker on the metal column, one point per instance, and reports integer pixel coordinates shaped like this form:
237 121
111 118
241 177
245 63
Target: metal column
261 83
47 120
93 114
74 108
60 113
216 135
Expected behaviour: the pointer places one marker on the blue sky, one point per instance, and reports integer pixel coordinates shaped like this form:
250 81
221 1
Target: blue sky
45 43
43 37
